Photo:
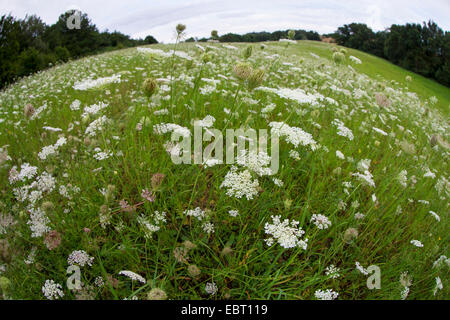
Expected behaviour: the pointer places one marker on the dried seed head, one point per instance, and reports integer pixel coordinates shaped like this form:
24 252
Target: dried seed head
288 203
350 234
104 209
382 100
4 250
206 57
157 179
189 245
180 254
156 294
52 240
226 251
243 70
150 87
112 281
337 171
405 279
180 28
194 271
110 193
433 141
28 110
3 156
407 147
256 78
338 57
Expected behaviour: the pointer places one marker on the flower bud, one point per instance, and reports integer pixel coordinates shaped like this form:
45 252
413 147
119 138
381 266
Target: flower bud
150 87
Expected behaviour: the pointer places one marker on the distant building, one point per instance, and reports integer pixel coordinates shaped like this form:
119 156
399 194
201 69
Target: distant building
327 39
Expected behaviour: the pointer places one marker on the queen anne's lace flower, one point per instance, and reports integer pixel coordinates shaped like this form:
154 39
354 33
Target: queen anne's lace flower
355 59
208 121
151 224
286 233
80 258
321 221
365 179
133 276
298 95
200 214
255 162
38 223
443 260
342 129
332 271
211 288
94 109
340 155
96 125
163 128
403 178
293 135
47 151
417 243
328 294
89 83
240 184
52 290
26 172
233 213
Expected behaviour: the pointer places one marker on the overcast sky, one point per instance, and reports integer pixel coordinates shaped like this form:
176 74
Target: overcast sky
139 18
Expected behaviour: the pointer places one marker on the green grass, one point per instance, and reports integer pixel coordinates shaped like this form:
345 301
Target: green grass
247 268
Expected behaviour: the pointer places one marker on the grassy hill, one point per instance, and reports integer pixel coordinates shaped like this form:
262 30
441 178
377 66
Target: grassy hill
88 178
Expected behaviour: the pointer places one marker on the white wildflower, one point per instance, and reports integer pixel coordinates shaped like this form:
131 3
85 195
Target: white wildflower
233 213
38 223
328 294
286 233
80 258
439 285
52 290
332 271
211 288
293 135
133 276
361 269
340 155
240 184
342 129
321 221
417 243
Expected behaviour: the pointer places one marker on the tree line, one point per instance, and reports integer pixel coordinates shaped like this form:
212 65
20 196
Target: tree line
423 49
260 36
29 45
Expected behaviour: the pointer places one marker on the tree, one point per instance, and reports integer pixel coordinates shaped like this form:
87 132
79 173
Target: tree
355 35
9 49
422 49
150 40
29 45
443 72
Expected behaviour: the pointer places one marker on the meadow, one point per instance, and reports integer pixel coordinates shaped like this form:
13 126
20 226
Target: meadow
87 179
